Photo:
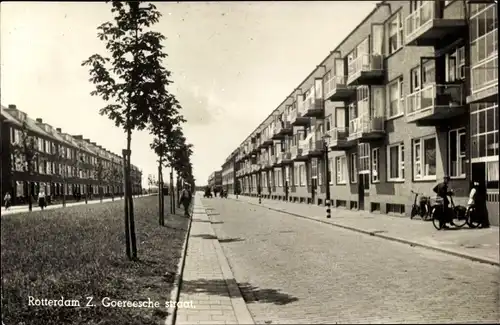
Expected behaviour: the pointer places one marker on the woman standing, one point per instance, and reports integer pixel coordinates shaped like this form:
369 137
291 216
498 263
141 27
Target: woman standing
42 202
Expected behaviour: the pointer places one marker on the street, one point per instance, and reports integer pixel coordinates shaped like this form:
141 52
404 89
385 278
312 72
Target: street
293 270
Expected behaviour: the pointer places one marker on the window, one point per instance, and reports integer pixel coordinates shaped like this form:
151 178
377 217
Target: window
395 93
457 153
428 72
424 156
341 170
484 46
302 175
484 131
320 172
415 80
395 157
395 33
375 164
353 168
296 175
328 123
455 65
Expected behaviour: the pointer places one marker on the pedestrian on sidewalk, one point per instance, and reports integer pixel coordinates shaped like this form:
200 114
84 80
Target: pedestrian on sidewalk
477 198
42 202
7 198
185 199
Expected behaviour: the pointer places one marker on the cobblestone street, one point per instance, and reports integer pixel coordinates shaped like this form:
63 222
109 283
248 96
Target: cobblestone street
291 270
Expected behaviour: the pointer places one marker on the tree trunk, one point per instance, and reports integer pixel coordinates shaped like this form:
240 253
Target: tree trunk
101 191
160 196
64 193
133 243
127 223
30 203
172 195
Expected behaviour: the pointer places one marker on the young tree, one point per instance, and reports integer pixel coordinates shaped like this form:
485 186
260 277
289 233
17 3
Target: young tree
163 127
132 81
25 153
100 175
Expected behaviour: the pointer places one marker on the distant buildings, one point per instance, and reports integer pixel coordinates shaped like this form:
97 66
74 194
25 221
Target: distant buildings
69 164
215 179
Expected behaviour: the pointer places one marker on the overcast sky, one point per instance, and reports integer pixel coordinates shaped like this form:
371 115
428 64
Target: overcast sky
232 64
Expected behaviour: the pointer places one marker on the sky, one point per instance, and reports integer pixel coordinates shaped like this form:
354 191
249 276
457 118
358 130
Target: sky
232 63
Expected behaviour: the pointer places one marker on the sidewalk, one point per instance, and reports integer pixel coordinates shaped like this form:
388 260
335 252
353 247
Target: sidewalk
207 279
24 208
475 244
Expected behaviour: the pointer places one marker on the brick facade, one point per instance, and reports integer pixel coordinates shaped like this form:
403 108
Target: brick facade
65 164
397 108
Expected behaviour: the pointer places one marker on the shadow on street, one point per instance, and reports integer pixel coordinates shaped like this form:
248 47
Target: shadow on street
251 294
222 240
208 221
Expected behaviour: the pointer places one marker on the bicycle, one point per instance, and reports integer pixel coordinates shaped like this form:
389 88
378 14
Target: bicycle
473 220
423 208
458 217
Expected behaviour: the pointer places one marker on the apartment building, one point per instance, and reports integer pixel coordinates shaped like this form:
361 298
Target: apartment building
215 179
64 164
393 108
229 173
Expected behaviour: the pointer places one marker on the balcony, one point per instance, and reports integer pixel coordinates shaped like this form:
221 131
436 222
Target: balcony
336 89
366 128
484 79
297 119
435 103
282 129
295 152
267 141
339 139
254 168
423 27
314 107
286 158
366 69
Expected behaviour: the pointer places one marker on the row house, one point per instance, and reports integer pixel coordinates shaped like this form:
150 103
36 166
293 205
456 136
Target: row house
215 179
63 164
229 173
410 95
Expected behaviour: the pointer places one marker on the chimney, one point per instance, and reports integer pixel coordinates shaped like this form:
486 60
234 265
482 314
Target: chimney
39 120
59 130
95 144
79 137
86 140
12 106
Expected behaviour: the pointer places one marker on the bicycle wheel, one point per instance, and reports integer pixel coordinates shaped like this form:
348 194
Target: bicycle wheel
435 218
426 215
472 221
459 217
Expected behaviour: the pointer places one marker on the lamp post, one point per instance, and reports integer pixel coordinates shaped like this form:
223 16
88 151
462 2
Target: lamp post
327 177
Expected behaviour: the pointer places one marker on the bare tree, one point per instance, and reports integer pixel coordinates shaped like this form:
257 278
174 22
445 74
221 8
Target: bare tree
25 153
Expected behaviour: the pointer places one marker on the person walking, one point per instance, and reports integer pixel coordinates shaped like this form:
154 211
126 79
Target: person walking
185 199
7 198
42 201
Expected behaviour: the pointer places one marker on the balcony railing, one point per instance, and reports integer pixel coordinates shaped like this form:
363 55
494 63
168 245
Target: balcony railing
286 155
419 20
334 84
294 151
364 63
338 133
432 96
365 124
305 146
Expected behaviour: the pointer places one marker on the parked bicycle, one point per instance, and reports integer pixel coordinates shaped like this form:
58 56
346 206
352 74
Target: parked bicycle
423 208
455 216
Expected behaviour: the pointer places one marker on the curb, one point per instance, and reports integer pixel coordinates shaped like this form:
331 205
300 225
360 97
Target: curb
176 292
395 239
240 308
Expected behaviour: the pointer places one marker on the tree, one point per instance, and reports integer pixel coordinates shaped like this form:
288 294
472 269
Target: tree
114 176
132 81
100 175
25 153
163 127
